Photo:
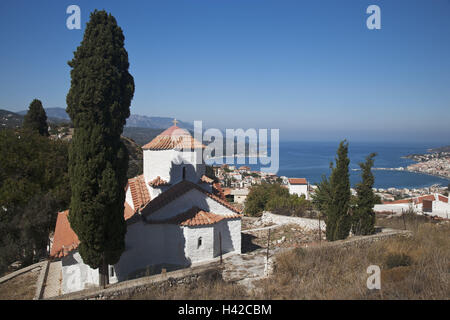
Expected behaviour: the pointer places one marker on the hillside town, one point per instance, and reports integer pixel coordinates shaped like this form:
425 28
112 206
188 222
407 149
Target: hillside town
437 163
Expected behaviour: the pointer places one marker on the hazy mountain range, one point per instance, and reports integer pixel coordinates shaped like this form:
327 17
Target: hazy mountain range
141 129
135 120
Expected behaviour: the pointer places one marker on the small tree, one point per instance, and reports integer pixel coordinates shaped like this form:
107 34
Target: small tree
36 118
363 218
338 220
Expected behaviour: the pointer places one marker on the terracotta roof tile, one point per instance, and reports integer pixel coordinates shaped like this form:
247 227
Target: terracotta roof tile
195 217
218 191
427 197
443 198
158 182
66 240
173 138
139 192
398 201
416 200
206 179
297 181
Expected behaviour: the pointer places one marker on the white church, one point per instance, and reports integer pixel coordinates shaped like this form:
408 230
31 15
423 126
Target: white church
174 217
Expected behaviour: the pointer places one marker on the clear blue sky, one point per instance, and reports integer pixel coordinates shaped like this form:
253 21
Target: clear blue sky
310 68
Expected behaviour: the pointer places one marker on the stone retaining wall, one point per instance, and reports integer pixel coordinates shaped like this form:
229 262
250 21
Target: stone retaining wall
309 224
184 276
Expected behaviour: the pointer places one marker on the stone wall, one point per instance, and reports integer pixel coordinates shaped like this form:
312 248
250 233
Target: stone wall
309 224
185 276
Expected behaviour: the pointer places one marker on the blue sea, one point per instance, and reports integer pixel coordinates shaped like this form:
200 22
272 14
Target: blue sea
311 160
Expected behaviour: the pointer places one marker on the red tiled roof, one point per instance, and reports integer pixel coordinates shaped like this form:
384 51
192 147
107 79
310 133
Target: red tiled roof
418 200
206 179
218 191
297 181
244 168
226 191
158 182
128 212
195 217
173 138
398 201
139 192
66 240
176 191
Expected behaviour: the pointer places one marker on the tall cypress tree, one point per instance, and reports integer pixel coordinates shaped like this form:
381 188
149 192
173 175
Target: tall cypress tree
99 104
36 118
338 219
364 216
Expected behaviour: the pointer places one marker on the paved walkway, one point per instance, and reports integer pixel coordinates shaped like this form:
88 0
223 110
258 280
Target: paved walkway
248 267
53 284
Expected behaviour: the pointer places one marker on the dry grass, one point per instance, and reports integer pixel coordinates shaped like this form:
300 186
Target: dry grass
22 287
415 267
422 270
408 221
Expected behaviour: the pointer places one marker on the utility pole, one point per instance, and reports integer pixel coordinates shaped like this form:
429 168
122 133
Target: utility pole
320 231
220 246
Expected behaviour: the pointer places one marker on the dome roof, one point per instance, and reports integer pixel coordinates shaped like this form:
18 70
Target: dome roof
173 138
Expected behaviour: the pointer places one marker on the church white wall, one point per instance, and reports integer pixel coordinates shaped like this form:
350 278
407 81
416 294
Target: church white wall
203 252
157 163
187 201
129 198
230 232
299 189
168 164
151 244
76 275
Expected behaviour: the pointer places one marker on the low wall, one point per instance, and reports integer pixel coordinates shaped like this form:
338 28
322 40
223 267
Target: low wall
189 275
309 224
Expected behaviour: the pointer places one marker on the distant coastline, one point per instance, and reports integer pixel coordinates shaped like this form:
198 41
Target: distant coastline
406 170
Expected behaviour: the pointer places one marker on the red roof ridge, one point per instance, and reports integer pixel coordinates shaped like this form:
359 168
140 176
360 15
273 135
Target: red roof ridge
157 182
195 217
297 181
173 138
178 190
65 239
206 179
139 192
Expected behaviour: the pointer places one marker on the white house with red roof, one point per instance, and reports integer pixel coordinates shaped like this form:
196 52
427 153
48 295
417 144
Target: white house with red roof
298 186
174 217
435 205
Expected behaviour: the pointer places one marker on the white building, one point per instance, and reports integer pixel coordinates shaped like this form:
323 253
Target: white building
435 205
173 217
240 195
298 186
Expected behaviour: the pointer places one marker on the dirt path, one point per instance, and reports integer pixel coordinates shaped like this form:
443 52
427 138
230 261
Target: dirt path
53 284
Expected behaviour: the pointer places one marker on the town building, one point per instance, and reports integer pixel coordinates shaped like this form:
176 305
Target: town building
435 205
298 186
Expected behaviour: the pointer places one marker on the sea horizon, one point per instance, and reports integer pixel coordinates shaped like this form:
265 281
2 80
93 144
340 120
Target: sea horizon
311 160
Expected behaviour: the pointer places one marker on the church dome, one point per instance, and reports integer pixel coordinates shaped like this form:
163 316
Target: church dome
174 138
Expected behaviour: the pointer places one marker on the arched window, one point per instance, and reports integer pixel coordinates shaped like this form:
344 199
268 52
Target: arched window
199 242
184 173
